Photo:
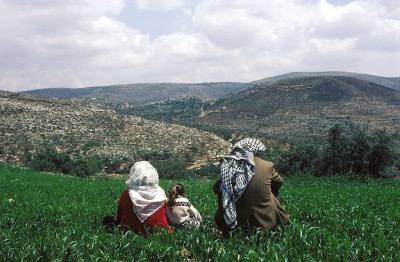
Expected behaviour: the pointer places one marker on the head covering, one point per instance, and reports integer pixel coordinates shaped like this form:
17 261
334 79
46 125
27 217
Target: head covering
146 195
237 170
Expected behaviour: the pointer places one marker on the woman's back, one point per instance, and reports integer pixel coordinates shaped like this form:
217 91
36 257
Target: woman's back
128 220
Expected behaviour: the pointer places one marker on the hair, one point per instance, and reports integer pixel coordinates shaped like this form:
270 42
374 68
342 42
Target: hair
174 192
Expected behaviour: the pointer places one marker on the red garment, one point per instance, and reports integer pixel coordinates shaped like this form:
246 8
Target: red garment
127 219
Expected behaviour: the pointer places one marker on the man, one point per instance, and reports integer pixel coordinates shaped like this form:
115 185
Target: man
247 190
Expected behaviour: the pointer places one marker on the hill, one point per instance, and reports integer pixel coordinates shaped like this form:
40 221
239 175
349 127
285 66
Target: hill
86 130
391 82
130 95
139 94
53 217
290 109
301 107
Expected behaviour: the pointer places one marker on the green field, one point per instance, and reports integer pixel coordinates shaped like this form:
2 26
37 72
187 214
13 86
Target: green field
53 217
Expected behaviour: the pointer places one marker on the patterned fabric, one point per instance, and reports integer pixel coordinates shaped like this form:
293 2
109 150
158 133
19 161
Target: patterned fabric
181 204
237 170
192 222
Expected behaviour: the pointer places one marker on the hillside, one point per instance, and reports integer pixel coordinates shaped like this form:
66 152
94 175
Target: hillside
27 123
304 107
291 109
391 82
139 94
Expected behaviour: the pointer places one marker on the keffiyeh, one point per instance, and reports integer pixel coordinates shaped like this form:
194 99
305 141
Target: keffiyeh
237 170
145 193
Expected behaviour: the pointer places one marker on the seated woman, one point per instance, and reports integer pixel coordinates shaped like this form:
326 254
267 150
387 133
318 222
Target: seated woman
142 206
180 212
247 190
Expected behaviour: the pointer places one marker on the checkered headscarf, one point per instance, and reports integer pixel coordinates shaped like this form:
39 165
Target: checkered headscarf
237 170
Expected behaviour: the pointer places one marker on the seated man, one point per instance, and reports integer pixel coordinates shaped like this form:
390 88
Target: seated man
247 190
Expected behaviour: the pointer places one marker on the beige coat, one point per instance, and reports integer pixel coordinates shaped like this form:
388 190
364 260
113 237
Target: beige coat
258 207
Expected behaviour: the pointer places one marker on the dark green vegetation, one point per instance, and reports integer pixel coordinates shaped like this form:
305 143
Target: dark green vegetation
353 151
50 160
52 217
139 94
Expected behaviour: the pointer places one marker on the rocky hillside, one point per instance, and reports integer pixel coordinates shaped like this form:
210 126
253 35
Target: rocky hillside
27 123
139 94
302 107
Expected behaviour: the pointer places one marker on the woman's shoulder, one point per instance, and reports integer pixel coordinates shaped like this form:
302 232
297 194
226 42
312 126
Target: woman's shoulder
181 198
124 197
182 201
124 194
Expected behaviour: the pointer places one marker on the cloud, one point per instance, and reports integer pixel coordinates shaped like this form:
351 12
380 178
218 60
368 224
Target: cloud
159 5
85 43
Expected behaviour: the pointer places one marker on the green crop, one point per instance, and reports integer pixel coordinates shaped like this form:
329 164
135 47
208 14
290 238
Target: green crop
54 217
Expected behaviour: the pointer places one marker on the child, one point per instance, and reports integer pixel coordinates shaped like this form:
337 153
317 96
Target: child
180 212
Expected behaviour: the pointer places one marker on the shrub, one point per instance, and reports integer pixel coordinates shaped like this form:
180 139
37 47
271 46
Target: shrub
380 155
170 168
209 170
49 159
156 155
298 159
355 151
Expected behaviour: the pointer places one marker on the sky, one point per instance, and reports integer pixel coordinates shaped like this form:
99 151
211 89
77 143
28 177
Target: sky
78 43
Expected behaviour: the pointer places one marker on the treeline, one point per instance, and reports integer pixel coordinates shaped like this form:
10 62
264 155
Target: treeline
352 150
50 159
348 150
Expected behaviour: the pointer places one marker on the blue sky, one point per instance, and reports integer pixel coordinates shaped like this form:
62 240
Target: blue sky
77 43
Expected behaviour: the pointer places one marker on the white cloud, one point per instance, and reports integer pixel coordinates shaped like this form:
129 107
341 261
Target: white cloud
160 5
77 43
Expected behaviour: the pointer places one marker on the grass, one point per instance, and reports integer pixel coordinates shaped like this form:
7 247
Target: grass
53 217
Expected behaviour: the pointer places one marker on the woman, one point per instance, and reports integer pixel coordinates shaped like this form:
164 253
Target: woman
247 190
142 206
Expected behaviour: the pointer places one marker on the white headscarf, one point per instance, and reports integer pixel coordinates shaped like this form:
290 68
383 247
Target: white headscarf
146 195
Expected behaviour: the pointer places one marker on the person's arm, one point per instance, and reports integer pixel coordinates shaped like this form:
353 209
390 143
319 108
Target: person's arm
276 182
193 212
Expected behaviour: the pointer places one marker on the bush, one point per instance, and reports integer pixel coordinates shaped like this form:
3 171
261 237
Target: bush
209 170
171 168
380 155
50 160
355 151
298 159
